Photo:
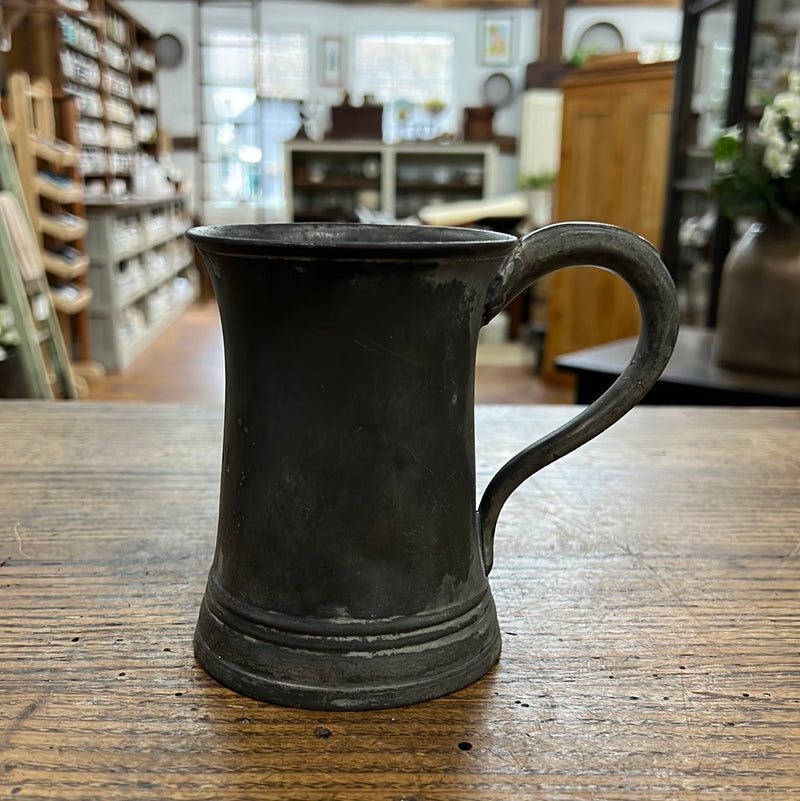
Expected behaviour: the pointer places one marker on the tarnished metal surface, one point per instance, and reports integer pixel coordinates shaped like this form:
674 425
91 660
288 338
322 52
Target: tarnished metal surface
350 567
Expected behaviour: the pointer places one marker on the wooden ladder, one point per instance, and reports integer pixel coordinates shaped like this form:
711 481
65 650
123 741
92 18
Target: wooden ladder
31 123
41 346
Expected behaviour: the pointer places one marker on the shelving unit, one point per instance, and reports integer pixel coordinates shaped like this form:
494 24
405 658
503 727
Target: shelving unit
102 68
105 60
143 72
331 180
53 190
142 273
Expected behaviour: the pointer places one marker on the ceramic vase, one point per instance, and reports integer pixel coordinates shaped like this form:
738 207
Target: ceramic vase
758 324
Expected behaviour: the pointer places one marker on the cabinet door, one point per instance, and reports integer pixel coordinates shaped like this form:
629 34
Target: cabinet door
590 158
647 114
615 145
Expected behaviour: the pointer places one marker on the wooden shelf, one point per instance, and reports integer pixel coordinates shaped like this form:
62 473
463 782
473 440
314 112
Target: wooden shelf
337 183
80 50
88 115
59 154
62 268
438 186
71 193
95 87
72 305
66 232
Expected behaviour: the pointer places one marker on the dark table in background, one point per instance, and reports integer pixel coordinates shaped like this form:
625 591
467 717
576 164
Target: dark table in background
691 378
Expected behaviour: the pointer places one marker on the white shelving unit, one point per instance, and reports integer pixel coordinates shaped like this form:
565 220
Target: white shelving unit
330 179
142 274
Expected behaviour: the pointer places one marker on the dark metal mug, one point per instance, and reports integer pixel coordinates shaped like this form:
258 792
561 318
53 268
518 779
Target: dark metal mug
351 567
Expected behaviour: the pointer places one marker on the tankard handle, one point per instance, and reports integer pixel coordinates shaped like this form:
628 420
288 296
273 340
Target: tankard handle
637 262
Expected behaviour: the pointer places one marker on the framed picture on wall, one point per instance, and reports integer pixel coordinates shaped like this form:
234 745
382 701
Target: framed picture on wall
331 61
495 40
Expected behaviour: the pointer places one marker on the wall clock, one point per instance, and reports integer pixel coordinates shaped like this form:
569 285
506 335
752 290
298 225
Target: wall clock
169 51
498 91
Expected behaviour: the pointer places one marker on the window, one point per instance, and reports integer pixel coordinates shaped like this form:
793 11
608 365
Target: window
254 82
411 74
283 66
252 89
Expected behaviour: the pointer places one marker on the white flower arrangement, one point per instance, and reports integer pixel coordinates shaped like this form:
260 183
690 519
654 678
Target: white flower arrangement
780 130
760 177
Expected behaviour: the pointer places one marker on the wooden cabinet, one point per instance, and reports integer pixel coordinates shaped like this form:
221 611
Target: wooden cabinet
614 154
332 180
142 273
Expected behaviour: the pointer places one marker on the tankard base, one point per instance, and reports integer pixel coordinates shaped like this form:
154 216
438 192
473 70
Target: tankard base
301 667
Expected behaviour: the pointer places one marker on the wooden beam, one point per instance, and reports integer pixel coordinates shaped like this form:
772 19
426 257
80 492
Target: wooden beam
550 67
551 30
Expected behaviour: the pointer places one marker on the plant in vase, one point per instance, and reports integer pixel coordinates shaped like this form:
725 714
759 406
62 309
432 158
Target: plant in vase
434 109
757 177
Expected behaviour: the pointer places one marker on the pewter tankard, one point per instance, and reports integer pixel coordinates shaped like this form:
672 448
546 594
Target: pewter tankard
350 569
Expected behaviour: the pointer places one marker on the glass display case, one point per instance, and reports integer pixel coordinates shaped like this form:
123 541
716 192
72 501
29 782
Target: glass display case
735 55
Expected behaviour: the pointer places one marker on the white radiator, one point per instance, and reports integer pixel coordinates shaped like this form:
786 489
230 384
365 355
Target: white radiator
540 141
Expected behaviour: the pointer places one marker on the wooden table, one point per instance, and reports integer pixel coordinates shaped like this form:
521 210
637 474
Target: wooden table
692 376
647 587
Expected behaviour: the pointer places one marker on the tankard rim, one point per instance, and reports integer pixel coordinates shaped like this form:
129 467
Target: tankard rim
347 239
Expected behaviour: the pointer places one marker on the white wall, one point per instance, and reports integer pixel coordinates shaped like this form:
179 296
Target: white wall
178 108
178 111
641 26
179 104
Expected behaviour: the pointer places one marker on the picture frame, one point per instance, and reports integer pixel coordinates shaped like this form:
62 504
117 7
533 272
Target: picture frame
331 61
496 40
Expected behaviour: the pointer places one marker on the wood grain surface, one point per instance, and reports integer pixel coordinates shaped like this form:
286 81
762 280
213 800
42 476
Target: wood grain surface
647 588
